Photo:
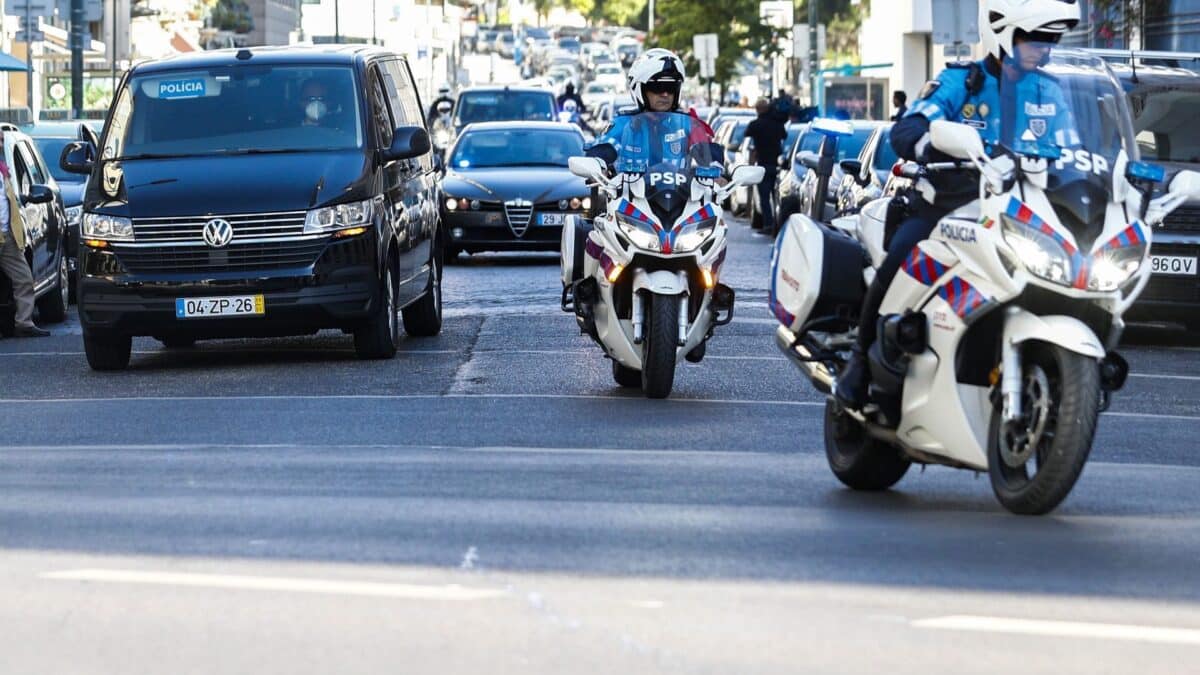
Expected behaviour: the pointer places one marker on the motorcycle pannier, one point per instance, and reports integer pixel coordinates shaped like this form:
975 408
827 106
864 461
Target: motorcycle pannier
574 246
817 273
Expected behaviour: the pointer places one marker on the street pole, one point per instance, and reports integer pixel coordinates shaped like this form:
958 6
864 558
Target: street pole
650 23
374 19
813 64
337 26
113 48
28 63
78 28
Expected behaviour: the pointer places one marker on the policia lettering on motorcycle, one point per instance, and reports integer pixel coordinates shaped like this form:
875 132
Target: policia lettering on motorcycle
1018 35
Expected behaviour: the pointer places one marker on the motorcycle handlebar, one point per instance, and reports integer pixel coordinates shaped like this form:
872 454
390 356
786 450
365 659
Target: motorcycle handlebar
917 170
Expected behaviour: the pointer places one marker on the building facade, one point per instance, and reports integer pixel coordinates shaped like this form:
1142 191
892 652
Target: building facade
274 21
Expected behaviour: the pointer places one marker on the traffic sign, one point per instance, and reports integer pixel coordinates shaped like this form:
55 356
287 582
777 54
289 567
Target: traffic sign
800 41
22 8
955 22
777 13
705 48
93 9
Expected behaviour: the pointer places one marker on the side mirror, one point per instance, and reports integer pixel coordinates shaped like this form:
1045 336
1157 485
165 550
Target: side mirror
87 135
77 157
852 167
591 168
957 140
39 194
808 159
747 175
407 142
1185 185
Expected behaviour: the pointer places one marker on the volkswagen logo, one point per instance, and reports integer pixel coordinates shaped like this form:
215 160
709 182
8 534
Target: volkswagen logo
217 232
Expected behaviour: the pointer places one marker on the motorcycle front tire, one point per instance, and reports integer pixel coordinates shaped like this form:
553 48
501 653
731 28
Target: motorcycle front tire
661 345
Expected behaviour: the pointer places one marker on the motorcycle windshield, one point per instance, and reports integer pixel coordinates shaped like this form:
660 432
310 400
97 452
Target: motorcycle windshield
1067 106
652 139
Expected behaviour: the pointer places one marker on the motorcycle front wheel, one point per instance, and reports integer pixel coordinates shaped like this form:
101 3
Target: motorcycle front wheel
1034 462
661 344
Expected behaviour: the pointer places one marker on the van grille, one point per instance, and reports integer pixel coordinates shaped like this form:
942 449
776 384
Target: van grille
232 258
261 241
1183 219
189 230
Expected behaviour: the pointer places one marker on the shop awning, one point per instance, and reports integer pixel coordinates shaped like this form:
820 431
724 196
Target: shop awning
9 62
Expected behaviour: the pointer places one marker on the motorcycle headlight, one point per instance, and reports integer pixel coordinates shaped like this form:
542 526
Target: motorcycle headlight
340 216
692 236
74 215
1112 269
109 228
1039 253
641 234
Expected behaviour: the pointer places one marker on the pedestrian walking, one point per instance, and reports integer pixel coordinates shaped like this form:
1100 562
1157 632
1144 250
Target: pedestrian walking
768 132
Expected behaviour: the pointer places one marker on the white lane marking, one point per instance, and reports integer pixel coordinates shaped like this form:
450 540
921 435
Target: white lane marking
280 584
1099 631
1153 416
201 350
409 397
1156 376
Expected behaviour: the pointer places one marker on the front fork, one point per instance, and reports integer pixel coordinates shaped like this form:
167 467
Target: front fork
639 319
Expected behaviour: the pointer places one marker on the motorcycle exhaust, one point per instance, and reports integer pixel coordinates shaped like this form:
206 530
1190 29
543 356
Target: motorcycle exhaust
820 375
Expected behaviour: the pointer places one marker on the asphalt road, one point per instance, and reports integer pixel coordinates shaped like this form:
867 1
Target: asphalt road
489 501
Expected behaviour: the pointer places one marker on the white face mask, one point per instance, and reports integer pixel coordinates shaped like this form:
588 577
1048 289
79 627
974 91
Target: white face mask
315 110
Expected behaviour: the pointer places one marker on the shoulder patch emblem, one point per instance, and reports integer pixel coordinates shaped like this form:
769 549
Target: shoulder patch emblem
968 110
929 88
984 110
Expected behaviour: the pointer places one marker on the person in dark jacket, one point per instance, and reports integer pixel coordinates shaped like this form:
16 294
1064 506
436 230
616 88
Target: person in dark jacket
768 132
900 101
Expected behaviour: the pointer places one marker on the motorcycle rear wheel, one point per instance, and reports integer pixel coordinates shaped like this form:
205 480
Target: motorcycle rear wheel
662 343
1034 464
859 461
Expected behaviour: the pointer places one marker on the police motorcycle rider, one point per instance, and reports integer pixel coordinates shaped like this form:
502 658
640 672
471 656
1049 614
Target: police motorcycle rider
655 81
1018 36
442 97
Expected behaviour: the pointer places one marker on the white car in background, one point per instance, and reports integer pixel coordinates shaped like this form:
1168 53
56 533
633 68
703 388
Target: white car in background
596 93
604 113
612 73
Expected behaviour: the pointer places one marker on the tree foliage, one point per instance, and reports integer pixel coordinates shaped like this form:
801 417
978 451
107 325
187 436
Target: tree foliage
231 15
735 22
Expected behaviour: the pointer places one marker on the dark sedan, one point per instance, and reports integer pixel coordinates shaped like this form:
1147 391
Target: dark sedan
507 187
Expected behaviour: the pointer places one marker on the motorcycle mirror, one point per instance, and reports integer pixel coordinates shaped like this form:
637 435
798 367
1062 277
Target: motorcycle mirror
748 175
957 140
1186 185
590 168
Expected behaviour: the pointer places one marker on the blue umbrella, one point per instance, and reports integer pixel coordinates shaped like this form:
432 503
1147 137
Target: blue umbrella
8 62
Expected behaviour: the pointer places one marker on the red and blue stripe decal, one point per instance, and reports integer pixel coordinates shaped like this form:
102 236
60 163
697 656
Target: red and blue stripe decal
625 208
923 267
962 297
593 249
1130 236
703 214
1080 266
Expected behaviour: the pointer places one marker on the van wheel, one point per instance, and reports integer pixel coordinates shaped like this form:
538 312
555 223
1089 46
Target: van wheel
52 307
378 337
107 351
423 318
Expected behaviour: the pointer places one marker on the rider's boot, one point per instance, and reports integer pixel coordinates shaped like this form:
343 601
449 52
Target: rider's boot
852 382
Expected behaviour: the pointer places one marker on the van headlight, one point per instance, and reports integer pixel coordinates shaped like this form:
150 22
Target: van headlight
1111 269
74 215
337 217
108 228
1038 252
641 234
692 236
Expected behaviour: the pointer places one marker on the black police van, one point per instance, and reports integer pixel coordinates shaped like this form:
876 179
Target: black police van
1164 100
259 192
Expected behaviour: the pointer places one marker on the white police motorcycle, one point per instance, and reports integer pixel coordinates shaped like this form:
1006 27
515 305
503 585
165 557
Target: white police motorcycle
643 280
995 347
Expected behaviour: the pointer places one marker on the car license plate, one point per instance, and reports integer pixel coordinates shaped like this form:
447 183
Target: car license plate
204 308
552 219
1173 265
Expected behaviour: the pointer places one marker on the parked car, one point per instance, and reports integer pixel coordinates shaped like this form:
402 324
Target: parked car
507 187
50 139
596 93
754 213
611 73
792 174
864 177
1164 102
848 147
45 232
260 192
730 135
604 114
505 44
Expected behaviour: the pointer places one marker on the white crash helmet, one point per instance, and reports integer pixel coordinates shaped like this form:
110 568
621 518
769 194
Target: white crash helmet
1041 20
655 65
444 90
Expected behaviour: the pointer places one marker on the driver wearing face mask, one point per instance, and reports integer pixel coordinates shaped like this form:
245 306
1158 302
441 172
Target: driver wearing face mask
314 103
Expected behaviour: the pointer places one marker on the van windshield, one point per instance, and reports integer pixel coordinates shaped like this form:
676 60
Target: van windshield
1162 121
236 109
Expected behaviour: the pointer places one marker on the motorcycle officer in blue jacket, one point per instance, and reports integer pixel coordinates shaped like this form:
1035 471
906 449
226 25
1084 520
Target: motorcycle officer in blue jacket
1018 36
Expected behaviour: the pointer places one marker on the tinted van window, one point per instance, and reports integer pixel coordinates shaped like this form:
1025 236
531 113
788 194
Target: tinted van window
1163 125
237 109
